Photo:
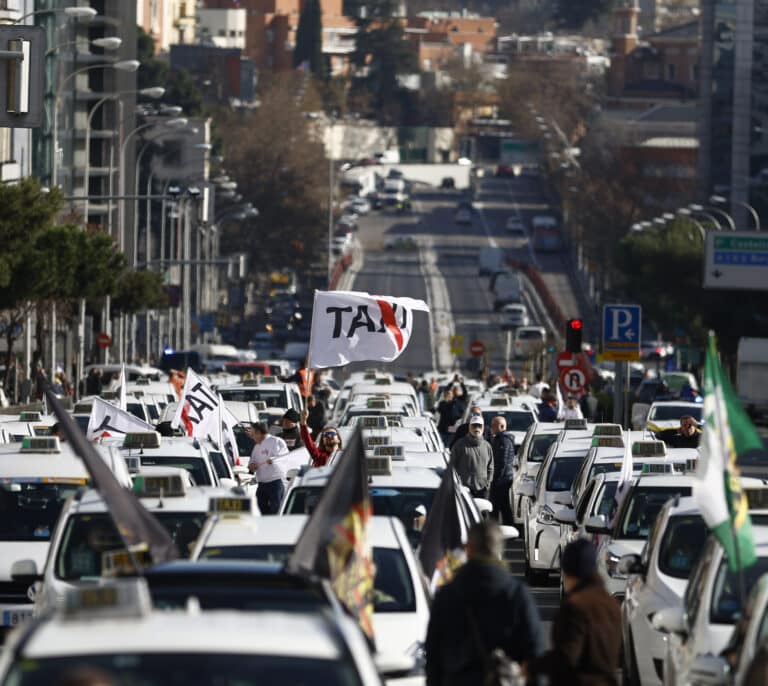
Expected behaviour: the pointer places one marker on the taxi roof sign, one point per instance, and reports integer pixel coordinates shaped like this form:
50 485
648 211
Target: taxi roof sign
269 379
372 421
30 417
607 442
114 598
378 404
649 449
230 505
122 562
160 486
382 381
109 395
40 444
141 439
259 405
575 424
657 468
379 465
133 463
607 430
142 381
394 452
374 441
500 401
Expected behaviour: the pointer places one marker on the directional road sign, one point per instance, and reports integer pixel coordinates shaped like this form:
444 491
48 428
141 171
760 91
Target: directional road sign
573 380
457 345
621 332
736 260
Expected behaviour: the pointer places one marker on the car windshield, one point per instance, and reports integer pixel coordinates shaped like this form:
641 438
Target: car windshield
680 547
540 445
516 420
272 397
387 500
726 608
29 509
88 536
184 668
392 588
194 465
643 507
562 472
663 413
606 505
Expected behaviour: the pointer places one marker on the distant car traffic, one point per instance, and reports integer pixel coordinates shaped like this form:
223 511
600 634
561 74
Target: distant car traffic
515 225
514 315
400 243
463 216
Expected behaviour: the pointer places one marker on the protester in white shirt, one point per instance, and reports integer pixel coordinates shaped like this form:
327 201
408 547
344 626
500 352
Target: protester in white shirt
571 409
537 388
266 466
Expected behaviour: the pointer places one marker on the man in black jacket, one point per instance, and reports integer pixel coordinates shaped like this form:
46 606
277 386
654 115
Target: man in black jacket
503 446
483 608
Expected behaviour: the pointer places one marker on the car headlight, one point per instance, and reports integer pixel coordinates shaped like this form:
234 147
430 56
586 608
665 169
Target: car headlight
546 515
612 566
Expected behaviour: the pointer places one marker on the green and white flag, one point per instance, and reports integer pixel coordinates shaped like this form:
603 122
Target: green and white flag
727 433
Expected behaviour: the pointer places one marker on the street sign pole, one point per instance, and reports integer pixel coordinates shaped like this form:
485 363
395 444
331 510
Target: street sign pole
618 393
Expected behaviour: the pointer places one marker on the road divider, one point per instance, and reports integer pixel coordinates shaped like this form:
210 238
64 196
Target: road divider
440 316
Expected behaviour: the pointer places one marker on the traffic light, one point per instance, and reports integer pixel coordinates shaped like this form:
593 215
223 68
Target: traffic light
573 331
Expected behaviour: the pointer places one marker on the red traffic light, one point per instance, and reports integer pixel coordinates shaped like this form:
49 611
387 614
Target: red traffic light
575 324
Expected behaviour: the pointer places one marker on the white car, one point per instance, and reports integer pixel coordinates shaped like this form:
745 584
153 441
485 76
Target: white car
113 629
514 315
659 577
664 414
703 623
553 484
530 456
529 340
401 604
632 524
37 477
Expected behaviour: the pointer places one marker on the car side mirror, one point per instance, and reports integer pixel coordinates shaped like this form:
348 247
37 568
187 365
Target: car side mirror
484 506
670 620
565 515
563 498
631 564
25 572
527 488
597 524
509 533
711 670
228 483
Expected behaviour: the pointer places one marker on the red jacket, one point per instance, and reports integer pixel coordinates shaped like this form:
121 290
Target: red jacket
318 455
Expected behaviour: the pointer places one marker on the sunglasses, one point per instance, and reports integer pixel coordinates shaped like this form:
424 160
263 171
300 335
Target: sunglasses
329 434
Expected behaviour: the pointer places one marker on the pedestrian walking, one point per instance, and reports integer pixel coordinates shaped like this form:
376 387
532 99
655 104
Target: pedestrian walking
463 429
290 429
482 610
449 412
472 458
266 465
504 462
586 632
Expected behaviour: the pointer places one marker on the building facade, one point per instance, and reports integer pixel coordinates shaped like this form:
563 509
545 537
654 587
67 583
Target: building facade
169 22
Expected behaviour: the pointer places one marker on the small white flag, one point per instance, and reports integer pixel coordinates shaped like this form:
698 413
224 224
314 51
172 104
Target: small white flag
351 326
109 420
626 476
196 408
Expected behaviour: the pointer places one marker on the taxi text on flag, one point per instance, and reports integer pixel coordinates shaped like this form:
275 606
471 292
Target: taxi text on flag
137 526
445 533
109 420
335 542
727 434
196 408
351 326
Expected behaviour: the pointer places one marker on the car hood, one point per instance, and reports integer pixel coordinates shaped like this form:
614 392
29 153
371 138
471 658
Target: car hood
625 547
12 551
397 637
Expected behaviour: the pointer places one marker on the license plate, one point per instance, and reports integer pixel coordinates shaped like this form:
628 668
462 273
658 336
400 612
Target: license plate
16 617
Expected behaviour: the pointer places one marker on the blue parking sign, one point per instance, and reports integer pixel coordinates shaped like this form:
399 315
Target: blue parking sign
621 332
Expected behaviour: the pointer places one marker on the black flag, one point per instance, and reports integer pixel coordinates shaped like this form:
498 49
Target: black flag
335 543
445 532
138 528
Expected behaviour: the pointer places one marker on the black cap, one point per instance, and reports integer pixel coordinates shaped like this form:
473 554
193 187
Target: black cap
292 416
579 559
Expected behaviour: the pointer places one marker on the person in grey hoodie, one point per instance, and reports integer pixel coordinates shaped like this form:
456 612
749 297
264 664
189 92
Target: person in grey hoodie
472 458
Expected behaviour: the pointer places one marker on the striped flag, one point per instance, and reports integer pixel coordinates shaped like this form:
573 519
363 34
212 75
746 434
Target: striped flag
728 433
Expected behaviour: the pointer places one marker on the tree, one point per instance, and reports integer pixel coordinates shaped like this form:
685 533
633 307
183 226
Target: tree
280 164
309 39
573 14
138 291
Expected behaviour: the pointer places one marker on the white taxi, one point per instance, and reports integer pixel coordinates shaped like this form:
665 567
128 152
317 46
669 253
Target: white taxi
401 605
112 630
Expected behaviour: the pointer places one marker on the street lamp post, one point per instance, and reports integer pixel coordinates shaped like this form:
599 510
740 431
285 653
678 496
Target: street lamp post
722 200
72 12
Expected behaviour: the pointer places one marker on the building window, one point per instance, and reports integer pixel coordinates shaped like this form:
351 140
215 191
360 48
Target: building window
671 72
270 35
222 33
232 33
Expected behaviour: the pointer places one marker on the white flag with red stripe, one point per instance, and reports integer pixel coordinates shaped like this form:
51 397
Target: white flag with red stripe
351 326
109 420
197 406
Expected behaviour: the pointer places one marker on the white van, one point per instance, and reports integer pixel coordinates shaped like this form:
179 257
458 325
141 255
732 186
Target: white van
215 356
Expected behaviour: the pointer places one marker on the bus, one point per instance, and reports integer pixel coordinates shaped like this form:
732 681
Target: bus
547 234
